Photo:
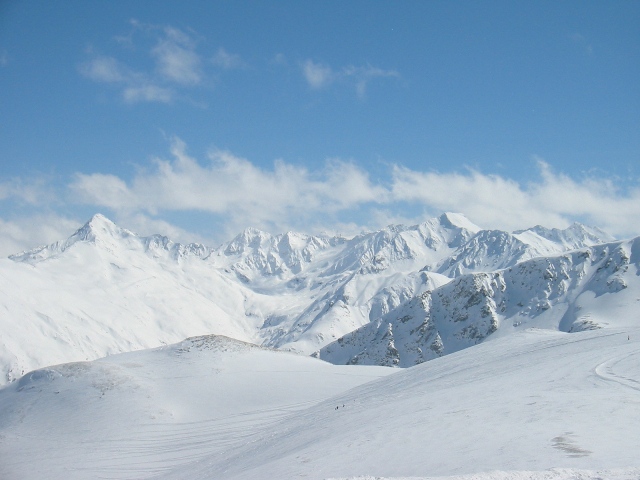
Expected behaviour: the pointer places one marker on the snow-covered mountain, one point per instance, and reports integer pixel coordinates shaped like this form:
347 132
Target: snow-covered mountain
551 380
491 250
107 290
579 290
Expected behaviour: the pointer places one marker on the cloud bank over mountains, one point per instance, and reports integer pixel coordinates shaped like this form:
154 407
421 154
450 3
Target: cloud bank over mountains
341 196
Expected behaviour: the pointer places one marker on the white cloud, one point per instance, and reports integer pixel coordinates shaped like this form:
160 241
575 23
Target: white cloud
103 69
104 190
317 75
32 231
488 200
232 187
555 200
340 196
145 225
320 75
226 60
363 75
34 191
173 52
176 58
147 93
4 58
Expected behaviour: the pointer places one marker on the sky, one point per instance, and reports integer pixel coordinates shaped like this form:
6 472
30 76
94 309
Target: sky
198 119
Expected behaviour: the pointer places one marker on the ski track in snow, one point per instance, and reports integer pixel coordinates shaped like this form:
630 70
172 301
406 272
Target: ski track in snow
629 363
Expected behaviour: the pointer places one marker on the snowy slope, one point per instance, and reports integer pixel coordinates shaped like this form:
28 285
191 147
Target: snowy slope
139 414
214 408
107 290
583 289
530 402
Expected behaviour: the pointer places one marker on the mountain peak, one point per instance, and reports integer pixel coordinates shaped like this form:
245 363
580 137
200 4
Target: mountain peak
594 233
250 238
99 229
98 226
576 235
457 220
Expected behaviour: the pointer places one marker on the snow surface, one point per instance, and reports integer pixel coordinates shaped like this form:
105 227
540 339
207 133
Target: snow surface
139 414
214 408
551 474
529 402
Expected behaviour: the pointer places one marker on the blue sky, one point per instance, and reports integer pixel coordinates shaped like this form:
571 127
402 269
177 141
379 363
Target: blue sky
198 119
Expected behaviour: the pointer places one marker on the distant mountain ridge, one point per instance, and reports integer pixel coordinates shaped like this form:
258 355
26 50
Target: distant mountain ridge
101 231
558 292
107 290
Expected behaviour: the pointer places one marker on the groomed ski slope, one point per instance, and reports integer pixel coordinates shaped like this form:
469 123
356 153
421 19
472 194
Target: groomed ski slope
534 401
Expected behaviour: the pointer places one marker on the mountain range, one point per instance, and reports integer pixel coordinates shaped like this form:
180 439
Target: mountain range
397 296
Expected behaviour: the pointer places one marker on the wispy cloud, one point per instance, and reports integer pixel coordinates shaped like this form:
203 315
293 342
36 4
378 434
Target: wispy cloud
287 196
582 42
134 86
33 191
226 60
4 58
177 65
147 93
364 75
319 75
176 58
280 59
555 199
232 187
103 69
24 233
